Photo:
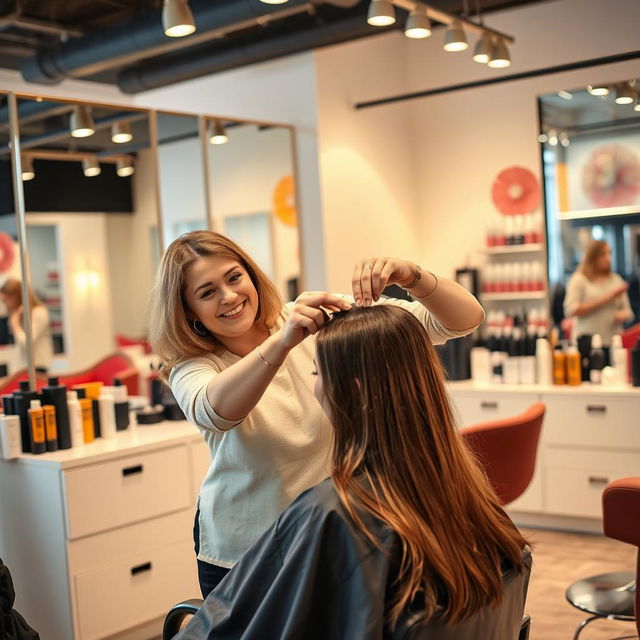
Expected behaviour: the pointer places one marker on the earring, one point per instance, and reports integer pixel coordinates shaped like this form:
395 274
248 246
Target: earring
199 329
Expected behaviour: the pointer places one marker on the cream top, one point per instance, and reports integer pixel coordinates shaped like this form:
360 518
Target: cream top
281 448
42 343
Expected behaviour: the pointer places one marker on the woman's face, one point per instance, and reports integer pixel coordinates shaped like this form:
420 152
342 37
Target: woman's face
603 262
220 293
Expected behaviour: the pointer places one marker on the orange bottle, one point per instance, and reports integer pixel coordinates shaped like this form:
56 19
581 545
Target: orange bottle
86 406
36 423
574 365
559 366
50 427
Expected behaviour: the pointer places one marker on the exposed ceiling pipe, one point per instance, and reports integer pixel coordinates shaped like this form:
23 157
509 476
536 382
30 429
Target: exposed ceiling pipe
194 64
143 37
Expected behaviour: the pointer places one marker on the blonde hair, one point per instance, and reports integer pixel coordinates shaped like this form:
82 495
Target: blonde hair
13 287
170 333
397 455
591 254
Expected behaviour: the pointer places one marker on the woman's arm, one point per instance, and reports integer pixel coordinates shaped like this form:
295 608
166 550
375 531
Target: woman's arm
453 306
587 307
234 392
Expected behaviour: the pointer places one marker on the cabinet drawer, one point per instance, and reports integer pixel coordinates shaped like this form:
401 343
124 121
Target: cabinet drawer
592 422
474 408
574 480
133 591
127 490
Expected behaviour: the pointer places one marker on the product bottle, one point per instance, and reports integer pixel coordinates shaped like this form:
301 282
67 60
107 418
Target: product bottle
36 422
8 406
596 360
619 359
88 429
559 365
121 404
10 439
22 402
56 394
50 427
107 413
573 365
543 361
92 392
75 419
635 365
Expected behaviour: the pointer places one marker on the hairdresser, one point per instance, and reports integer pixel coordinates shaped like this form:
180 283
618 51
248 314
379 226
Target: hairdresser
241 364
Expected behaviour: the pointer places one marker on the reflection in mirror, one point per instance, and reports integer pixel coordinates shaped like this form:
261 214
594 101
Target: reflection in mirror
590 140
182 188
91 227
12 356
250 172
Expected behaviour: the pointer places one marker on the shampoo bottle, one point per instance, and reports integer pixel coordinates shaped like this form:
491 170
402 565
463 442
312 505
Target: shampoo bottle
121 402
22 402
10 439
573 365
75 419
559 364
55 394
543 361
88 429
596 360
619 359
36 423
50 427
107 413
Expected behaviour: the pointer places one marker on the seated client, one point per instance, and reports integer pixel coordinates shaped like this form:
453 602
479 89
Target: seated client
405 534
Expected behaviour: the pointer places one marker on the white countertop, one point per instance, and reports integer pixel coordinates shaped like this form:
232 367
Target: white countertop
134 440
585 389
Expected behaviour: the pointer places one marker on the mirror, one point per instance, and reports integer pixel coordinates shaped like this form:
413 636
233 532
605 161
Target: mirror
181 175
12 353
92 230
590 139
252 195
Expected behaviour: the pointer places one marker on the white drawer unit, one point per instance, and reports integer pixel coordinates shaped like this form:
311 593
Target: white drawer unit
473 408
100 538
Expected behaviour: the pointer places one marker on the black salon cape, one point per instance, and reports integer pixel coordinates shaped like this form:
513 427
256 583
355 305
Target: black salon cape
311 575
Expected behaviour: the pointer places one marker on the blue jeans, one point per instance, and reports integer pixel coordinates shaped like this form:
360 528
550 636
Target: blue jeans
209 575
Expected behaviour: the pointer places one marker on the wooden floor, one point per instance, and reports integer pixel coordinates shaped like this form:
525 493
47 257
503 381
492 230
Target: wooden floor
560 559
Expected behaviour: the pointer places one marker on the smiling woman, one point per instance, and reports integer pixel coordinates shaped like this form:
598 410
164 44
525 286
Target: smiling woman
240 365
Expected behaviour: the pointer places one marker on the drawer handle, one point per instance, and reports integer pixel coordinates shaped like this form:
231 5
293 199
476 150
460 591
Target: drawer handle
489 405
596 408
598 480
129 471
140 568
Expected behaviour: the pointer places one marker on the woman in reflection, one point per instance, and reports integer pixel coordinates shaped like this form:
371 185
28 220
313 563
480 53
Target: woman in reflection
239 363
596 296
406 530
11 296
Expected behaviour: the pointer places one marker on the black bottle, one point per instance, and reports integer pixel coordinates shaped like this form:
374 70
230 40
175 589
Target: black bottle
635 365
8 406
56 394
22 403
597 360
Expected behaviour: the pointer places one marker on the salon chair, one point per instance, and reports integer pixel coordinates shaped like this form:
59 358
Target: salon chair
116 366
612 595
507 450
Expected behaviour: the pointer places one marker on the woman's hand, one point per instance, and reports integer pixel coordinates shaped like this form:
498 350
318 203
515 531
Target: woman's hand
371 276
619 290
621 316
307 316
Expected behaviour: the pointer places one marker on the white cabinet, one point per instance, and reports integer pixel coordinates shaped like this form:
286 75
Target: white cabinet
590 436
99 539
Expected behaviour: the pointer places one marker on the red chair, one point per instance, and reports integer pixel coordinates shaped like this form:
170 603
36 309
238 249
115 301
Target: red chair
613 595
126 341
507 450
114 367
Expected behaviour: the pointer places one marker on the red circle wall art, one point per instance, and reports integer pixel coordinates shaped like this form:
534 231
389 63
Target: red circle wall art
611 176
516 191
7 252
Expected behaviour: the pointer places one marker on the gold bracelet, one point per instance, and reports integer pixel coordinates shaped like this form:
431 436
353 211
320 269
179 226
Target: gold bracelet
275 366
430 292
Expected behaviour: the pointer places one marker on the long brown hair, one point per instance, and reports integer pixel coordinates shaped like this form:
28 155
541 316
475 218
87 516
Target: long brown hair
394 427
591 254
13 287
170 334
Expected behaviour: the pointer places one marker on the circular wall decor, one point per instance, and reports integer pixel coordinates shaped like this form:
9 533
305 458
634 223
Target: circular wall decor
611 176
284 201
7 251
515 191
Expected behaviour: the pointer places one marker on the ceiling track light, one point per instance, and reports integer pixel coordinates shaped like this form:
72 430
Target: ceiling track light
381 13
177 19
91 167
81 122
121 133
217 134
27 168
274 1
598 89
500 58
625 94
483 51
455 38
125 167
418 24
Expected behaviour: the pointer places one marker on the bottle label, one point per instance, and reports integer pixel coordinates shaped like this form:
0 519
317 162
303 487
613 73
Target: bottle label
38 428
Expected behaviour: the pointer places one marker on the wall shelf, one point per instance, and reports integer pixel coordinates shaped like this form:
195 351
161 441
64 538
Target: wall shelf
514 295
599 213
515 248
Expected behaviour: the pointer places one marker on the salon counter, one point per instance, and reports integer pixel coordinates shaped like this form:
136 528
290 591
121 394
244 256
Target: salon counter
590 436
98 538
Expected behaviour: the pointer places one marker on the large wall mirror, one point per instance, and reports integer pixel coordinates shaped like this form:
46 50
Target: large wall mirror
107 188
590 139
